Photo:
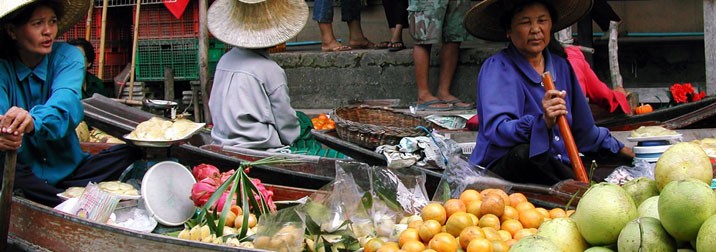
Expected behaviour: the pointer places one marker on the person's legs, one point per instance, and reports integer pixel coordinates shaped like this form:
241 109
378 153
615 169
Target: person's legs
390 7
34 188
448 63
421 59
104 166
517 166
328 39
401 19
350 13
357 39
323 15
454 33
426 30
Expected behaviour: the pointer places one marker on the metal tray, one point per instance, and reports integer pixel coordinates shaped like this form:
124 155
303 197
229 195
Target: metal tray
164 143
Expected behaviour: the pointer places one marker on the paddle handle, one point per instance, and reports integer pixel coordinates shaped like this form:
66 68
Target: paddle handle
564 128
6 196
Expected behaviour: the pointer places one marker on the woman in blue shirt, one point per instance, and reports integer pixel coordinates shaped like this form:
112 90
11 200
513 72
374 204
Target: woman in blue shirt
40 90
519 138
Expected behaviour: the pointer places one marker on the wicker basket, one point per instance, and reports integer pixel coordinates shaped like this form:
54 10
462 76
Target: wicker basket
370 126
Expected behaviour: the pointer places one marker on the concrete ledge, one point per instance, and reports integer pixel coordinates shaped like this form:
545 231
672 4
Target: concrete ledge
327 80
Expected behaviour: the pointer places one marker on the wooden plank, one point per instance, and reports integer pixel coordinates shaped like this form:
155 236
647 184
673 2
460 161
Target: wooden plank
204 62
710 45
168 83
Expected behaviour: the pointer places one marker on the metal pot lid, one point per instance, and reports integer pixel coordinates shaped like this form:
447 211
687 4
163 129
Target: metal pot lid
166 190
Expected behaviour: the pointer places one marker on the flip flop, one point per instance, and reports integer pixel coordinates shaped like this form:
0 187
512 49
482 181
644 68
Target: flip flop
426 106
455 105
367 45
396 46
338 48
383 45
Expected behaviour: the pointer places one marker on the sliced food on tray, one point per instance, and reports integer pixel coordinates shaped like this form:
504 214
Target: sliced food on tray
73 192
157 129
709 146
115 187
652 131
119 188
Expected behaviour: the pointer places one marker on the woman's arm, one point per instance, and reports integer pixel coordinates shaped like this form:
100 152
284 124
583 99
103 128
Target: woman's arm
63 110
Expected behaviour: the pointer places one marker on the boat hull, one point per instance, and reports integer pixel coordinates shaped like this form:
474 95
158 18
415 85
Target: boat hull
35 227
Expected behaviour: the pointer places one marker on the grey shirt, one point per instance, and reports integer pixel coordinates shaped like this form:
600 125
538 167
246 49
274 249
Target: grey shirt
249 103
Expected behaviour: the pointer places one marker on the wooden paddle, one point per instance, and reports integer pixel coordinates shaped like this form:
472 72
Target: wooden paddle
6 196
564 128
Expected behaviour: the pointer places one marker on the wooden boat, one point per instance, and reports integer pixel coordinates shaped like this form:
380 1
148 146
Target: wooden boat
693 115
118 119
35 227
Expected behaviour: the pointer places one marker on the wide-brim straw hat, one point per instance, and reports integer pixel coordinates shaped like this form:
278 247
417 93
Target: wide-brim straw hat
74 11
483 19
257 23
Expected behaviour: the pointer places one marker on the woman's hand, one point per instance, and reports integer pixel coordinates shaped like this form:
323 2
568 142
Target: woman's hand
626 151
553 105
10 141
16 121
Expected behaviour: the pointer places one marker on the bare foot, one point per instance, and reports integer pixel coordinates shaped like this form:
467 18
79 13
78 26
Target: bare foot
361 44
334 46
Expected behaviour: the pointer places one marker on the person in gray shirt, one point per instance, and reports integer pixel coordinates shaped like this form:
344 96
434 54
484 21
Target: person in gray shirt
249 103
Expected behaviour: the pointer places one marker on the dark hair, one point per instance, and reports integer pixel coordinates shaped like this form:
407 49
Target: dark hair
87 47
20 17
506 18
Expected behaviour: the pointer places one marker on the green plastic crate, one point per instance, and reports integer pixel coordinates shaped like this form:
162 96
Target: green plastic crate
179 54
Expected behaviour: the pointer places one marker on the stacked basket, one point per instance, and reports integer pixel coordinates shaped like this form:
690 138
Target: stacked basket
371 126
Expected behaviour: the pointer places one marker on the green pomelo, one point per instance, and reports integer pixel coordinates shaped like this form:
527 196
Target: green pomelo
649 208
602 212
533 243
684 205
645 234
641 189
681 161
563 232
706 239
598 249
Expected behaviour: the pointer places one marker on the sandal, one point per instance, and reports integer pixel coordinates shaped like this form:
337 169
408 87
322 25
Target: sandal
383 45
338 48
455 104
427 106
365 45
396 46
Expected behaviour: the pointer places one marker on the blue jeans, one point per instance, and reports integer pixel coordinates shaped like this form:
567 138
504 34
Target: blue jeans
323 10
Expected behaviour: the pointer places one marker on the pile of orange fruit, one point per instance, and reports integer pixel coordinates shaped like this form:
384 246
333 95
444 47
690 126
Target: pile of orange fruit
323 122
490 220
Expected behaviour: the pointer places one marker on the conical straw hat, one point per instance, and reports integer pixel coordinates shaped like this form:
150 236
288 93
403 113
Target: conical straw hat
483 19
74 11
257 23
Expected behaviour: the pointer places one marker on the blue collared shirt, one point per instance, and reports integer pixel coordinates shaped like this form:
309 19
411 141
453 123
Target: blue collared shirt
510 113
51 93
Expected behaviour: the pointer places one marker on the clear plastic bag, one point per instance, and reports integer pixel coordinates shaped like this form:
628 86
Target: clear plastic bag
281 231
623 173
